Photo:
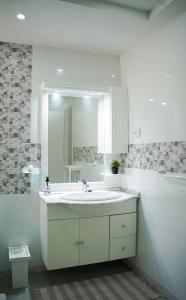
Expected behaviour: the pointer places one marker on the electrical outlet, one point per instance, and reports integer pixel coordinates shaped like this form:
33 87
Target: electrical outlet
137 133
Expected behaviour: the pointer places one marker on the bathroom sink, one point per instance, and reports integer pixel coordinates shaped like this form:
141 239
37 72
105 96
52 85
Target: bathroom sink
91 196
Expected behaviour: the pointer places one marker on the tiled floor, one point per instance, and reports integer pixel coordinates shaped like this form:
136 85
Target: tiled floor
42 279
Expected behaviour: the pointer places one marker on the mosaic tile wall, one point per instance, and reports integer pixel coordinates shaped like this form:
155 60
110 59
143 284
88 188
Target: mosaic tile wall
16 149
88 154
170 156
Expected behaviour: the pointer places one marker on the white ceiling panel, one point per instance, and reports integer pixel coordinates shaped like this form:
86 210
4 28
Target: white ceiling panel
63 24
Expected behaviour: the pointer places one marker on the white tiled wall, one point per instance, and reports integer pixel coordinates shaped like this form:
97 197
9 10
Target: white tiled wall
19 225
156 68
161 228
79 67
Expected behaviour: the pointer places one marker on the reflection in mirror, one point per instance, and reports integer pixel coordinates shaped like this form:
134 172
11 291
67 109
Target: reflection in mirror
73 138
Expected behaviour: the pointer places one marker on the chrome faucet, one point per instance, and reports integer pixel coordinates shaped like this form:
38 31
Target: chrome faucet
85 186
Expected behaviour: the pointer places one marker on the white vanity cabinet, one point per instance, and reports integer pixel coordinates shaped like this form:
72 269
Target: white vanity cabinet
69 238
75 242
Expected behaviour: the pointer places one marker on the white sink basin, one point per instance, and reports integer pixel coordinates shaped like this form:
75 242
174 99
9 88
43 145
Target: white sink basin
91 196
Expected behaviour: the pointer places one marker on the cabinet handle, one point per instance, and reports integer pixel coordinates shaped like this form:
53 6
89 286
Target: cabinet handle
79 243
123 248
123 225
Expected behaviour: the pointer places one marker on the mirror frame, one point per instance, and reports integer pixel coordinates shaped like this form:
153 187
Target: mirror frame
45 90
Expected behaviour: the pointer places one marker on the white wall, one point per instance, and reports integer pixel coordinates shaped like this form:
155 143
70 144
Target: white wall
79 67
157 68
161 228
19 225
85 113
55 145
85 134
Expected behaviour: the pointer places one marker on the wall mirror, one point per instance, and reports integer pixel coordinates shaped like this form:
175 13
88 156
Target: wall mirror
82 130
73 129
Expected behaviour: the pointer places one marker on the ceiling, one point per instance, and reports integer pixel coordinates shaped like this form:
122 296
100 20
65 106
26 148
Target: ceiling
140 4
106 26
145 5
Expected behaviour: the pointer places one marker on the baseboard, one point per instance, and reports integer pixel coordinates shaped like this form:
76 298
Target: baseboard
149 280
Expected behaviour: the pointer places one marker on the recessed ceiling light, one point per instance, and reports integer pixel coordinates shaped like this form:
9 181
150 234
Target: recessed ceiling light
56 99
21 17
59 71
113 75
86 97
56 95
151 99
168 75
164 103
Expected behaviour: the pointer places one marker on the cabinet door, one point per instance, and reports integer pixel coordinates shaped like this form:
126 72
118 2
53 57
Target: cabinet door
94 240
63 243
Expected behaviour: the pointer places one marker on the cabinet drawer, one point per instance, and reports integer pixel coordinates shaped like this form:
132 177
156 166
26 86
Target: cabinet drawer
122 247
122 225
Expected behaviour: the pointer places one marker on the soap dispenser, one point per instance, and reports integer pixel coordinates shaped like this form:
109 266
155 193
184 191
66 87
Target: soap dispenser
47 189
